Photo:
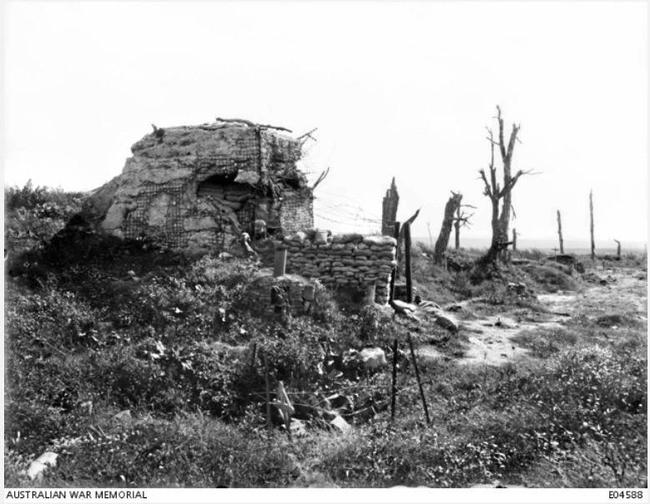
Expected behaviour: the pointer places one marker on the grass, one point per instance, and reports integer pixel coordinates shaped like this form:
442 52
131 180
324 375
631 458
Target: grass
176 346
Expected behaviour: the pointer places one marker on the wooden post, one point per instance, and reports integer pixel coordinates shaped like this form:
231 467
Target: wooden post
559 231
514 240
591 225
389 209
268 392
280 262
395 272
394 386
417 376
398 247
407 263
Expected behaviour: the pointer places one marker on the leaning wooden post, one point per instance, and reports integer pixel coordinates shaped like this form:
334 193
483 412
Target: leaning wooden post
559 231
407 262
417 376
394 385
591 225
280 262
268 392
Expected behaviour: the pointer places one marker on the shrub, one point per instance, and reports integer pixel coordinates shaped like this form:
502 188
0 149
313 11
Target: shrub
550 278
34 215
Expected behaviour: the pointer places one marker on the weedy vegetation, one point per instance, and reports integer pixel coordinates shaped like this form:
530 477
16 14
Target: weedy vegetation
94 331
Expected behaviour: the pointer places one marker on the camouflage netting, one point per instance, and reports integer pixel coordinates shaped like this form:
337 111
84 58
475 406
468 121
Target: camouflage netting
199 188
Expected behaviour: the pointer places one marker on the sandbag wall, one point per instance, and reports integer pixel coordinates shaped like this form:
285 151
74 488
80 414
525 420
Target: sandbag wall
347 260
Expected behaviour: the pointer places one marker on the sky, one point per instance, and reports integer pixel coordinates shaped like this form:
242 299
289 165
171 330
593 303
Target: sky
402 90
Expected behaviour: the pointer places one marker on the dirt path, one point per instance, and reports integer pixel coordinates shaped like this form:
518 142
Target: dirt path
490 338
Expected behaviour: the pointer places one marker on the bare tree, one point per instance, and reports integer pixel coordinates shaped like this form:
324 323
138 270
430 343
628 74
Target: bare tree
559 231
452 206
461 219
591 225
500 194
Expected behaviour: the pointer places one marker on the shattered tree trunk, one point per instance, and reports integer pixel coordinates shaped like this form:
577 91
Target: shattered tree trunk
514 240
559 231
460 219
618 249
498 193
591 225
453 204
389 210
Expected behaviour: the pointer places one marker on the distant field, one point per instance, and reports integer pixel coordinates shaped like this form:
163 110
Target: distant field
571 246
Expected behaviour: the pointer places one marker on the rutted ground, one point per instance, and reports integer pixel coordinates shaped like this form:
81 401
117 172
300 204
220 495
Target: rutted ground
491 339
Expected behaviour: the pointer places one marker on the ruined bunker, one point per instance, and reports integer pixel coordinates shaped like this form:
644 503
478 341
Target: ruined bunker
199 188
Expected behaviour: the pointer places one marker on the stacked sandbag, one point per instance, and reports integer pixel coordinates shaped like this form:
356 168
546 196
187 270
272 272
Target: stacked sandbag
346 260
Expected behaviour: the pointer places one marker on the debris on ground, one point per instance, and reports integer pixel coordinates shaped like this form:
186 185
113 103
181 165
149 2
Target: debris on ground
340 424
38 466
373 358
123 416
297 428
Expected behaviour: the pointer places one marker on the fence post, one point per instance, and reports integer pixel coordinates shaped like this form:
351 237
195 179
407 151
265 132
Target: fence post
407 262
417 376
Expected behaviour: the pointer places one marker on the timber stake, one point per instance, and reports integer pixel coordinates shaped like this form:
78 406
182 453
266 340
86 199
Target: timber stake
417 376
407 263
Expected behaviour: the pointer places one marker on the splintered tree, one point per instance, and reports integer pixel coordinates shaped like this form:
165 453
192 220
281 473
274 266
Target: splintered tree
461 219
389 210
500 194
452 206
559 231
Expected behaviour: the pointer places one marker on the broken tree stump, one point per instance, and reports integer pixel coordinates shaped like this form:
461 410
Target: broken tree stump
452 205
389 209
